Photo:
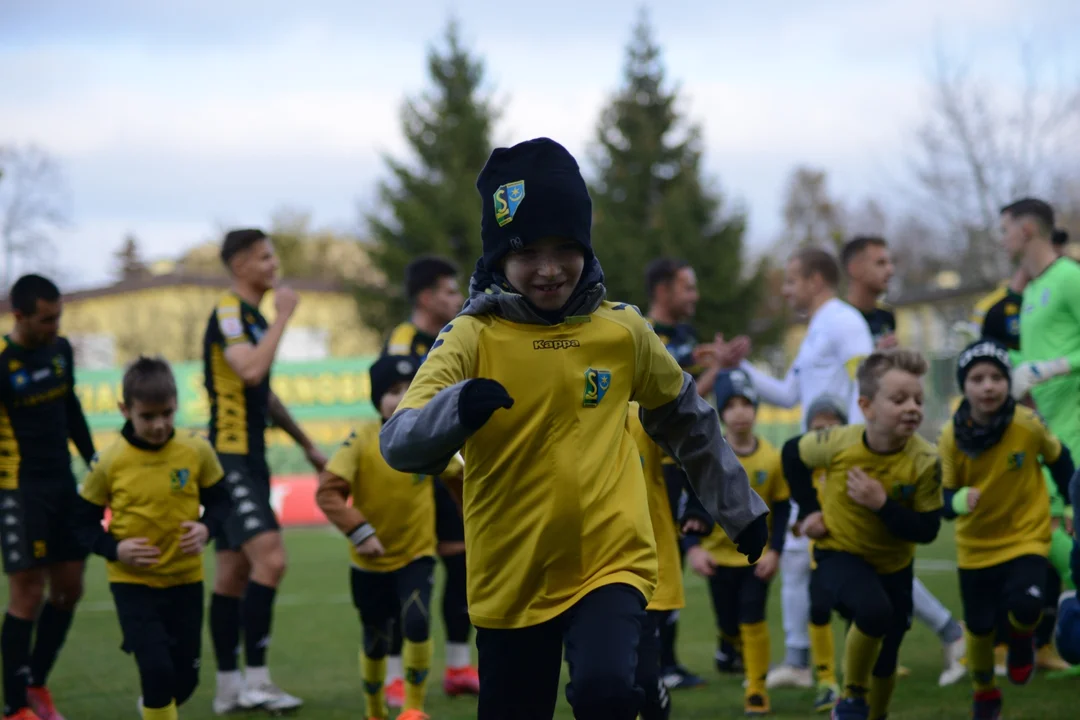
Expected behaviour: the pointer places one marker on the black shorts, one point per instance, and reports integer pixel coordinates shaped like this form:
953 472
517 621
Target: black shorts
449 527
152 618
385 597
844 582
988 594
738 597
248 481
36 526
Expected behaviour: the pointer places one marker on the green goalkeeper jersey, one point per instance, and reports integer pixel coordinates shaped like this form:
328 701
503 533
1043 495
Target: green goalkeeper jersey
1050 329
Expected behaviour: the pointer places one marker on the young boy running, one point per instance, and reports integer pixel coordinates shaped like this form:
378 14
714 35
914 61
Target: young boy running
153 480
559 544
882 495
391 526
994 488
739 589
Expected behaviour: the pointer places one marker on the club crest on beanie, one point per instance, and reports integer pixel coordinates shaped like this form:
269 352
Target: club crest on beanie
531 191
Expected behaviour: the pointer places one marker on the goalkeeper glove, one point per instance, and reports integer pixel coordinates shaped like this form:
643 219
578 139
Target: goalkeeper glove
1027 375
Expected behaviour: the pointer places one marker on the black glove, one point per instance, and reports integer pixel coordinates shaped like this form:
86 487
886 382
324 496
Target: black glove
479 399
752 540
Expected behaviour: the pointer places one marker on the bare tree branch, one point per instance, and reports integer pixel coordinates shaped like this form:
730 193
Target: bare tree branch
33 202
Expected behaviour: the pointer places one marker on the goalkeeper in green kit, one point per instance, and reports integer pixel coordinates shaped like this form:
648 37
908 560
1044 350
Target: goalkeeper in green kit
1048 362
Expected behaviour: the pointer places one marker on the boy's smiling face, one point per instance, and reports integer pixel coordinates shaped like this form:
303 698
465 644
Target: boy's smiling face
986 387
546 271
151 421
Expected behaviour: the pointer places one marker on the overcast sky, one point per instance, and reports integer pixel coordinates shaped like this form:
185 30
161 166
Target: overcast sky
172 119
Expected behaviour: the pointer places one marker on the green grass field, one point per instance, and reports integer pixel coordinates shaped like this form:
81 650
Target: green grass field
317 635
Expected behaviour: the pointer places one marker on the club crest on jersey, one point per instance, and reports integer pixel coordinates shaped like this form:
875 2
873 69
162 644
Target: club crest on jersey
179 479
507 200
760 477
1016 460
903 492
597 383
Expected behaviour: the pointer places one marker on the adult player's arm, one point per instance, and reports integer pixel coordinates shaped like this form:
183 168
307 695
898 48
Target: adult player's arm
918 524
781 393
89 513
687 428
800 456
214 495
279 415
334 489
251 362
426 431
78 428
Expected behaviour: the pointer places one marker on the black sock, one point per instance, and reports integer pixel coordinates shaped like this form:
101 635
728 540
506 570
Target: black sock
455 605
258 616
667 641
52 630
225 631
15 637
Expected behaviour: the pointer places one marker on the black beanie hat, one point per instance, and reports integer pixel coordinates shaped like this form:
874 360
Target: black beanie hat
984 350
531 191
387 371
734 383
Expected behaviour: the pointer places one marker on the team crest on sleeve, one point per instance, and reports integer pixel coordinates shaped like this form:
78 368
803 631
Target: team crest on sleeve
597 383
507 200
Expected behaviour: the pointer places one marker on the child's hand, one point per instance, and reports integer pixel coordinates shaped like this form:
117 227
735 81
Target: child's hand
767 566
137 552
865 490
195 537
701 562
973 496
813 526
371 547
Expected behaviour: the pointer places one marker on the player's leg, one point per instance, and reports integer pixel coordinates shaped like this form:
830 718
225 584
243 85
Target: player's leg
857 587
754 632
375 598
980 594
794 671
519 671
657 705
822 644
1046 658
460 676
932 613
897 587
724 591
601 635
184 624
414 584
141 611
231 573
1025 578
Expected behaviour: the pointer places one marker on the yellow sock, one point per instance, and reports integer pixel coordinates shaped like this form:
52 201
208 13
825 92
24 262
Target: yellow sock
980 660
417 660
166 713
881 690
755 644
373 673
1023 628
860 654
823 653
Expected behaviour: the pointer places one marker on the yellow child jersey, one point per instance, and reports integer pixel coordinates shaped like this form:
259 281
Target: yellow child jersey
150 492
766 475
559 478
1012 517
400 506
669 583
911 477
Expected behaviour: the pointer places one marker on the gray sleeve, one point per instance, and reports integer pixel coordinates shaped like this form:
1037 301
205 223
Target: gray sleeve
688 430
423 440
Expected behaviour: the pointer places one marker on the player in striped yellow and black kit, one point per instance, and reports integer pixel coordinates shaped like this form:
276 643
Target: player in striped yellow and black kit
391 526
739 588
882 495
153 480
994 488
538 341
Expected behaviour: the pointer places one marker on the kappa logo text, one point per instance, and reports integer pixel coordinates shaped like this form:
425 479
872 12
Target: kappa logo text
555 344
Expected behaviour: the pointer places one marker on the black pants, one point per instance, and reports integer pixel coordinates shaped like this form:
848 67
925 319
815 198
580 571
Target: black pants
519 668
879 605
1016 587
162 628
657 705
738 598
383 598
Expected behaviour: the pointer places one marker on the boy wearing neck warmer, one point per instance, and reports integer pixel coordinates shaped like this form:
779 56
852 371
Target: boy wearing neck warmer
533 382
994 489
